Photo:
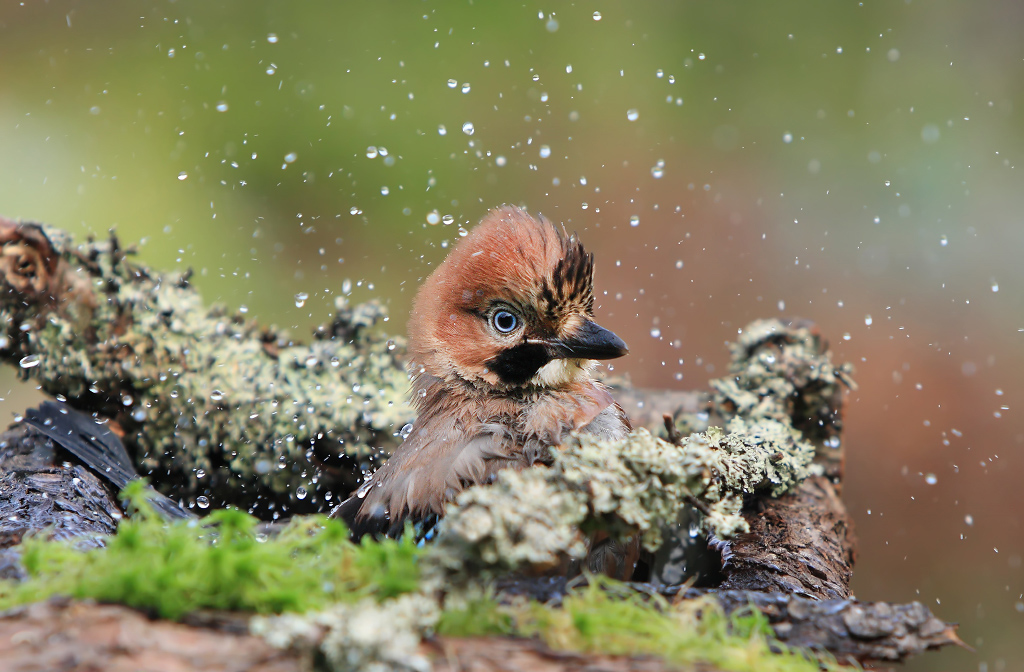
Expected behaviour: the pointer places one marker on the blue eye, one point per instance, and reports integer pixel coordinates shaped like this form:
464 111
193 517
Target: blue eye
504 321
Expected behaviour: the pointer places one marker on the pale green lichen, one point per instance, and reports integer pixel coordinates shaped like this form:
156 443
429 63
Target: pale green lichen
636 485
368 636
212 403
784 372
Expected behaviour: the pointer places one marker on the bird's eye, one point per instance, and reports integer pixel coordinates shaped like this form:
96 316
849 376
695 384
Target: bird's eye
504 321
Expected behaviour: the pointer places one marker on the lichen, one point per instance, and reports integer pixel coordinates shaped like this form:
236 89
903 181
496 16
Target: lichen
784 372
636 485
368 636
212 403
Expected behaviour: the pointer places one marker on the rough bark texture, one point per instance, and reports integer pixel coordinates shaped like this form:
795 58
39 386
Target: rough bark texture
40 491
497 654
86 637
801 544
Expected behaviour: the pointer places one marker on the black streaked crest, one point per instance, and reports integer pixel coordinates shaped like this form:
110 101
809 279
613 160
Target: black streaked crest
571 284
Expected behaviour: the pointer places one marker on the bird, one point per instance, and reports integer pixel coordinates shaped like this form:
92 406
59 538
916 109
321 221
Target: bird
502 347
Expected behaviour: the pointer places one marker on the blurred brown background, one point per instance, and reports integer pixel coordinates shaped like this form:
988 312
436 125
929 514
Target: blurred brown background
857 164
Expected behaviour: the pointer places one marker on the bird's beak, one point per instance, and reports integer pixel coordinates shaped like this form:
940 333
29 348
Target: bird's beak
591 341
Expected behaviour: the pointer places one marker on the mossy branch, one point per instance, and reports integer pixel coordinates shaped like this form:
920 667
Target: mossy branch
213 404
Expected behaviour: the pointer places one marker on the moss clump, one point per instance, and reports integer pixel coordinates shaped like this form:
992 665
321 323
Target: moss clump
609 618
223 562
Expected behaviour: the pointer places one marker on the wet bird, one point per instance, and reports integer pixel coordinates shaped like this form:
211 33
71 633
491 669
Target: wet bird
502 348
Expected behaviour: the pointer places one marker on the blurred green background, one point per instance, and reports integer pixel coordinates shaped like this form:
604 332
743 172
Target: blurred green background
851 163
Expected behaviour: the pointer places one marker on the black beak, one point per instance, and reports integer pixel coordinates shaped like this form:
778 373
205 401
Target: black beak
591 341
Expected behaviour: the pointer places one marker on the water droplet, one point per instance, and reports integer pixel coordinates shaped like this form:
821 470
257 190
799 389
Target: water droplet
441 130
545 151
868 320
300 299
139 415
300 492
888 182
346 286
127 400
499 161
931 479
634 220
995 286
597 16
447 219
391 345
969 519
433 218
679 263
354 211
943 241
272 38
632 114
290 157
452 83
182 176
203 502
465 87
29 361
405 431
468 129
658 169
847 336
371 152
216 395
655 333
200 473
787 138
222 107
384 191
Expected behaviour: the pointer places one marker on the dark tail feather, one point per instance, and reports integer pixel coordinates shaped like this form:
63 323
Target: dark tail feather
378 526
359 526
99 448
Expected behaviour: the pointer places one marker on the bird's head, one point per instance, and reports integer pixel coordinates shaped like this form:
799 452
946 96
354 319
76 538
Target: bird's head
511 307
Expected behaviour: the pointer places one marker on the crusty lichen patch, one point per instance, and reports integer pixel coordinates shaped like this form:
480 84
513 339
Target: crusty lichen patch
368 635
784 372
539 517
214 404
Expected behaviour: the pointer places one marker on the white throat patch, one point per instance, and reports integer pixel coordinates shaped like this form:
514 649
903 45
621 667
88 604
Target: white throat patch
562 372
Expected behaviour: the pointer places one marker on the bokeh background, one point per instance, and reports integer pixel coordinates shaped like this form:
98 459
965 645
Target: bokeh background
857 164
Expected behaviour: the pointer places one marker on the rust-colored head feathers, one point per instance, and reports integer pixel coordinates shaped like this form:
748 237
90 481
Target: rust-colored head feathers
511 306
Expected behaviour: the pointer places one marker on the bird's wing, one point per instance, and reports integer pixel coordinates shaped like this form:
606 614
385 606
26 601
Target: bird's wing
438 460
87 440
99 448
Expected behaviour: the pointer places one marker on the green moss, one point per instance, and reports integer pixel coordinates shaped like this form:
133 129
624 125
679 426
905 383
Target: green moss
223 562
610 618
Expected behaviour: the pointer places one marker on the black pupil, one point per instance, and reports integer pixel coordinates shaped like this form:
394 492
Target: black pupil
504 321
